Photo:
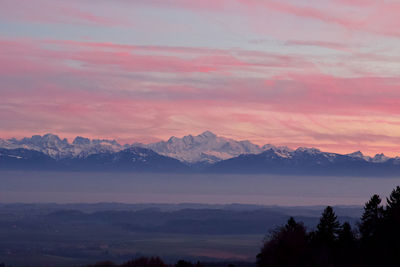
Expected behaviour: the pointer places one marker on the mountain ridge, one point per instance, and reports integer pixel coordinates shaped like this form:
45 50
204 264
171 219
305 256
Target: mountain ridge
205 152
206 147
133 159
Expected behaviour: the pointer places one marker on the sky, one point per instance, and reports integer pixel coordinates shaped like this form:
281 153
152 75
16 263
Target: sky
314 73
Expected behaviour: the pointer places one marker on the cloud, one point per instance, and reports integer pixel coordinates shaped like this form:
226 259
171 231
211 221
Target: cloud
374 17
127 92
23 55
58 12
324 44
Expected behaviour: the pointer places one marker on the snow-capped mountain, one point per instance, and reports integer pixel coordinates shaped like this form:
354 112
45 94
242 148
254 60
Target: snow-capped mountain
306 161
205 152
135 159
378 158
282 151
129 159
83 147
49 144
205 147
22 159
57 148
359 155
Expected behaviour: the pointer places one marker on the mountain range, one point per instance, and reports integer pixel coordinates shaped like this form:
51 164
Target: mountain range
205 152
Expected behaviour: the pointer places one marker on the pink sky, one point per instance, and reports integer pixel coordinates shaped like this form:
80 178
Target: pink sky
322 74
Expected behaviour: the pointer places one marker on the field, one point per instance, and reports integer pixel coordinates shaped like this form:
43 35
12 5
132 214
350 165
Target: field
65 249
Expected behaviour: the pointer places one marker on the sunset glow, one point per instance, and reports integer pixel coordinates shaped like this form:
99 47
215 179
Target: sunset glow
315 73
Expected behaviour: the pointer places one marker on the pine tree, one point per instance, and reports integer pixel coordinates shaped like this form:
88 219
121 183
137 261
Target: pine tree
328 227
347 253
390 232
346 236
371 218
292 225
393 204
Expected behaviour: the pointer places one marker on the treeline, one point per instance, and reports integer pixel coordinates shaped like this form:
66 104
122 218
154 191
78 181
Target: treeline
375 241
157 262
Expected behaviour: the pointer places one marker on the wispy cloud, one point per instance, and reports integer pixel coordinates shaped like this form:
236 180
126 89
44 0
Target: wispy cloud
58 12
328 76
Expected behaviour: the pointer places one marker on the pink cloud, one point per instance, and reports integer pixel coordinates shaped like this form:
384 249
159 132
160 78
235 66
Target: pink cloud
293 91
330 45
122 91
307 12
376 17
329 94
45 11
336 101
23 55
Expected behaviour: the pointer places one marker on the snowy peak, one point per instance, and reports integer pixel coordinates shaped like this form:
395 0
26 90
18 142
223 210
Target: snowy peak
207 134
205 147
210 148
49 140
379 158
284 152
81 141
143 152
312 151
49 144
57 148
202 138
357 154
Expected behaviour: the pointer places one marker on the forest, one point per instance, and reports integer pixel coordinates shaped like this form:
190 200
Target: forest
373 242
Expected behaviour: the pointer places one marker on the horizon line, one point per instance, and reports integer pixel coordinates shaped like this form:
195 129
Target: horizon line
71 139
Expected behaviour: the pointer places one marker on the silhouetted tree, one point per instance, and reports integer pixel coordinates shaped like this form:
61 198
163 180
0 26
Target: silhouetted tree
371 218
393 205
328 227
347 250
145 262
140 262
372 231
388 237
346 236
103 264
183 263
286 246
323 240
